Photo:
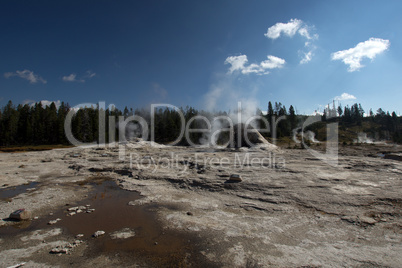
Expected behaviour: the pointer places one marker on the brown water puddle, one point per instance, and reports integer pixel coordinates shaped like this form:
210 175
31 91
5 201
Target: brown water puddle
152 245
10 192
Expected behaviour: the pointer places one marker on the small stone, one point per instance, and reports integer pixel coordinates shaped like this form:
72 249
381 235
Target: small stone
235 178
59 250
72 209
156 243
36 217
367 220
51 213
71 213
190 213
54 221
77 242
79 235
79 210
20 214
98 233
87 206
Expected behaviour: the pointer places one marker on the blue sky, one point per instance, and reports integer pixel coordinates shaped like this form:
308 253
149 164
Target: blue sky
207 54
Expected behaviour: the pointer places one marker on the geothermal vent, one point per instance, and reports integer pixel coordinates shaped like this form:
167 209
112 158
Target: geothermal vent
254 137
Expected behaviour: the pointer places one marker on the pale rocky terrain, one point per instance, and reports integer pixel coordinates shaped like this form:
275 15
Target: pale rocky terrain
291 210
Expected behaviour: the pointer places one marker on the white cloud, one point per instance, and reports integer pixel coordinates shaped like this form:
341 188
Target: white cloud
238 63
272 62
307 57
89 74
27 75
73 77
368 49
288 29
345 96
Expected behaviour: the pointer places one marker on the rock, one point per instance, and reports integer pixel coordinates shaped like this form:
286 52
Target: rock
98 233
235 178
59 250
66 249
20 214
79 235
73 209
367 220
17 265
54 221
77 242
350 219
71 213
79 211
190 213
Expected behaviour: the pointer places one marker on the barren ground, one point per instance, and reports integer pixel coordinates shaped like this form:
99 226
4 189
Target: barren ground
291 210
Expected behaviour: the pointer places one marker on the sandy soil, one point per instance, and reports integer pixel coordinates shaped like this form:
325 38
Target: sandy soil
289 210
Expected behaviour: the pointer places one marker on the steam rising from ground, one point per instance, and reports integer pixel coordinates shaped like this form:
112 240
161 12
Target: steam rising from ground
362 138
307 135
132 130
244 113
228 94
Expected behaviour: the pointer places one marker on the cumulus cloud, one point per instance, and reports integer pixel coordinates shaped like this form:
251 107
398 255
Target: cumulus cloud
238 63
27 75
367 49
345 96
73 77
272 62
290 29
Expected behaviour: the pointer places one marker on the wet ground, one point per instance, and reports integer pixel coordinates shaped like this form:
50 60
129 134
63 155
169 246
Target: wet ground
150 245
9 192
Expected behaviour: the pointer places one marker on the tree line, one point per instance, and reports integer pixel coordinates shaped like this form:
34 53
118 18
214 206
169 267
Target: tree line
35 124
